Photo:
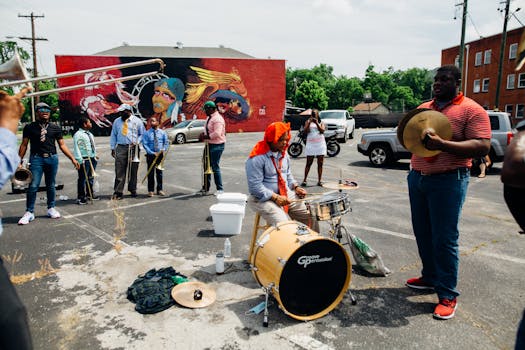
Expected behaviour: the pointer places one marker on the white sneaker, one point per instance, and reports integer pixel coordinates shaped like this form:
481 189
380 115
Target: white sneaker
53 213
27 218
219 192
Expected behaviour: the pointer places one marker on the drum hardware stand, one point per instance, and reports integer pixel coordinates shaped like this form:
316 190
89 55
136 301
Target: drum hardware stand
335 229
266 294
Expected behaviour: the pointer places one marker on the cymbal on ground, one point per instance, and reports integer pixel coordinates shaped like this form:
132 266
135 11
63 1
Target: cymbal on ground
193 294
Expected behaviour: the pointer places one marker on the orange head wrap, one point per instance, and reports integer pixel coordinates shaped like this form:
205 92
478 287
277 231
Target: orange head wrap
273 133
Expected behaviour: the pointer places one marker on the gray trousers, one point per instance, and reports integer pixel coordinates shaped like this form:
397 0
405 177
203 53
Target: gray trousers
274 214
124 155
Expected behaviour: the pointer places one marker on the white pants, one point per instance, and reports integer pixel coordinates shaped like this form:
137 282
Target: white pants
274 214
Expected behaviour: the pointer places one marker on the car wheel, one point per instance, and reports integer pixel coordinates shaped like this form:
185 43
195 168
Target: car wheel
380 155
180 139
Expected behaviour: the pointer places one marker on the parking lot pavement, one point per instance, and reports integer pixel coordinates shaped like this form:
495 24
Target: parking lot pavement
73 273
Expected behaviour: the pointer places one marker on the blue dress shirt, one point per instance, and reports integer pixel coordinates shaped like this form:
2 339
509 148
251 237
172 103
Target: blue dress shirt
262 175
135 131
149 143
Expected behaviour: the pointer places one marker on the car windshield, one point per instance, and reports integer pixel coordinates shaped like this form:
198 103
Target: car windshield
182 124
332 115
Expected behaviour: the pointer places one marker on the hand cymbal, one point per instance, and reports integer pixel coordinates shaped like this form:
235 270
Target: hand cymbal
414 126
345 185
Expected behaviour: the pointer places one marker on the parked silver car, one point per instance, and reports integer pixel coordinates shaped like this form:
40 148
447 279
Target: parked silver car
188 130
382 146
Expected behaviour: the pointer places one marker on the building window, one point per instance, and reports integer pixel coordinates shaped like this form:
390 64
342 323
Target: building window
485 87
487 56
476 86
477 62
521 80
513 51
511 81
519 111
456 61
509 109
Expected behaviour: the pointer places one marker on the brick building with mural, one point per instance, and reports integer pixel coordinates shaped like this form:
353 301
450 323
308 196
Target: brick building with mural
249 92
480 73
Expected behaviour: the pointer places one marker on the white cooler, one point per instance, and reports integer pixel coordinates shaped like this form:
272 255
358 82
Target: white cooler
232 197
227 218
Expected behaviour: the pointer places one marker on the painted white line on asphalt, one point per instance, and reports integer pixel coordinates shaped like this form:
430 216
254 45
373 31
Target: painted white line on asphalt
107 171
13 201
104 236
461 249
147 202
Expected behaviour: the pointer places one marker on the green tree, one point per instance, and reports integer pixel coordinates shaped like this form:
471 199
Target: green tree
345 93
310 94
7 50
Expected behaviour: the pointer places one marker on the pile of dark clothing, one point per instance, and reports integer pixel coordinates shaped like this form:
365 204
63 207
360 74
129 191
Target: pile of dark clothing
151 292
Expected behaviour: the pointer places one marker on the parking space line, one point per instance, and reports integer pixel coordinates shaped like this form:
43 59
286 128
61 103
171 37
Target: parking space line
461 249
13 201
148 202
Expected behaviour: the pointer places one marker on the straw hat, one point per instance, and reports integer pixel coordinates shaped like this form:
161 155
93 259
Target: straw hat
193 294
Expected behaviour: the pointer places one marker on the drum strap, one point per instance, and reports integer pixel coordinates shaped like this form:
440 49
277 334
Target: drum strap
283 191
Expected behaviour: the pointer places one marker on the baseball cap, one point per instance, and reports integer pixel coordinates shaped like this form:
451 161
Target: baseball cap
124 107
209 104
42 105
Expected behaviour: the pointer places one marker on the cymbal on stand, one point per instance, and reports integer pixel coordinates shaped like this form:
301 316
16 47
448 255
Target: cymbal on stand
345 185
414 126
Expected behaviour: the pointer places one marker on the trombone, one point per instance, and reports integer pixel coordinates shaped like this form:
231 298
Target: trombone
157 166
82 144
133 151
206 166
14 69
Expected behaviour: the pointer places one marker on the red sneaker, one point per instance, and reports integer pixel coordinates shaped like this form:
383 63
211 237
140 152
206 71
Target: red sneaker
418 283
445 309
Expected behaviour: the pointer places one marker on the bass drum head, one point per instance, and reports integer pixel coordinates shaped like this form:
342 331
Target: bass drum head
314 279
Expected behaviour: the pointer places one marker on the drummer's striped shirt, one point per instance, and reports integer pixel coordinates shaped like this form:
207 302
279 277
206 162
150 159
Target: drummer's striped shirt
468 120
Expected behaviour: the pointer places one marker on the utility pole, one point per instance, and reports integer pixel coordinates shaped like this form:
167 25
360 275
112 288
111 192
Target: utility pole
462 45
501 53
33 39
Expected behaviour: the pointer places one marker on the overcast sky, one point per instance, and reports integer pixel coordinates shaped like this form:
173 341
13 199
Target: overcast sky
345 34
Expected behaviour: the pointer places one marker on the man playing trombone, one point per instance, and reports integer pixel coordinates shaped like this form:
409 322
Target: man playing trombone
126 135
215 137
43 136
85 153
156 144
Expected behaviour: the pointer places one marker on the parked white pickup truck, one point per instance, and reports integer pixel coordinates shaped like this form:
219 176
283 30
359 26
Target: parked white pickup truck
340 121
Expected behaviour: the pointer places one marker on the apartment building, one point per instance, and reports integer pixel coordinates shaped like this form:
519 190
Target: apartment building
480 73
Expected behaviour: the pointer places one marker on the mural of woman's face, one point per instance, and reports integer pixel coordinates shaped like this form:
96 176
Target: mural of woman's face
161 101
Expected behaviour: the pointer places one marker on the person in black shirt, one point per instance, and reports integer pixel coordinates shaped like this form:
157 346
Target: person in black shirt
43 160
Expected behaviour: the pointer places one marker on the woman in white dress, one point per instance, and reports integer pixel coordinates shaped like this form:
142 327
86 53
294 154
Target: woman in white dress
315 146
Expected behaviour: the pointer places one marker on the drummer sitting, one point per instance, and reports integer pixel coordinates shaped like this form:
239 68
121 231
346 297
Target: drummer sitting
272 187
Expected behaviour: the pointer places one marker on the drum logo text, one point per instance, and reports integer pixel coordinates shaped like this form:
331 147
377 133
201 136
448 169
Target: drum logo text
306 260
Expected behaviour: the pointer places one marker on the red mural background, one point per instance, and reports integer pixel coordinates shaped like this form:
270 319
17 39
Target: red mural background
250 93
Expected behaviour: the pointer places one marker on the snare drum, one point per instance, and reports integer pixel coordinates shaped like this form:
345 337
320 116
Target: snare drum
329 206
308 273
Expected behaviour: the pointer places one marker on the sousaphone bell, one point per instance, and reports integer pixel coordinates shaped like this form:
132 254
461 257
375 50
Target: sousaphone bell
415 125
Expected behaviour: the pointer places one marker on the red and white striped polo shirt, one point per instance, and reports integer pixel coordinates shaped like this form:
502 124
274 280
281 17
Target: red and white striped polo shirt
468 120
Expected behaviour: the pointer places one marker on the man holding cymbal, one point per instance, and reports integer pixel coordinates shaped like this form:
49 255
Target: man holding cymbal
438 181
270 180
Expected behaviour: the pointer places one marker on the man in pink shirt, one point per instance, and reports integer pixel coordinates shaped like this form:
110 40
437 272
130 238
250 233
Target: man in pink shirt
437 188
215 136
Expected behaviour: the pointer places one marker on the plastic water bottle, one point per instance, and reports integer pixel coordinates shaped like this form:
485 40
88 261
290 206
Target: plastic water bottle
219 263
227 248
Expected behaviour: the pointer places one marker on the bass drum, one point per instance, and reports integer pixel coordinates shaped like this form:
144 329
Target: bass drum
308 273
